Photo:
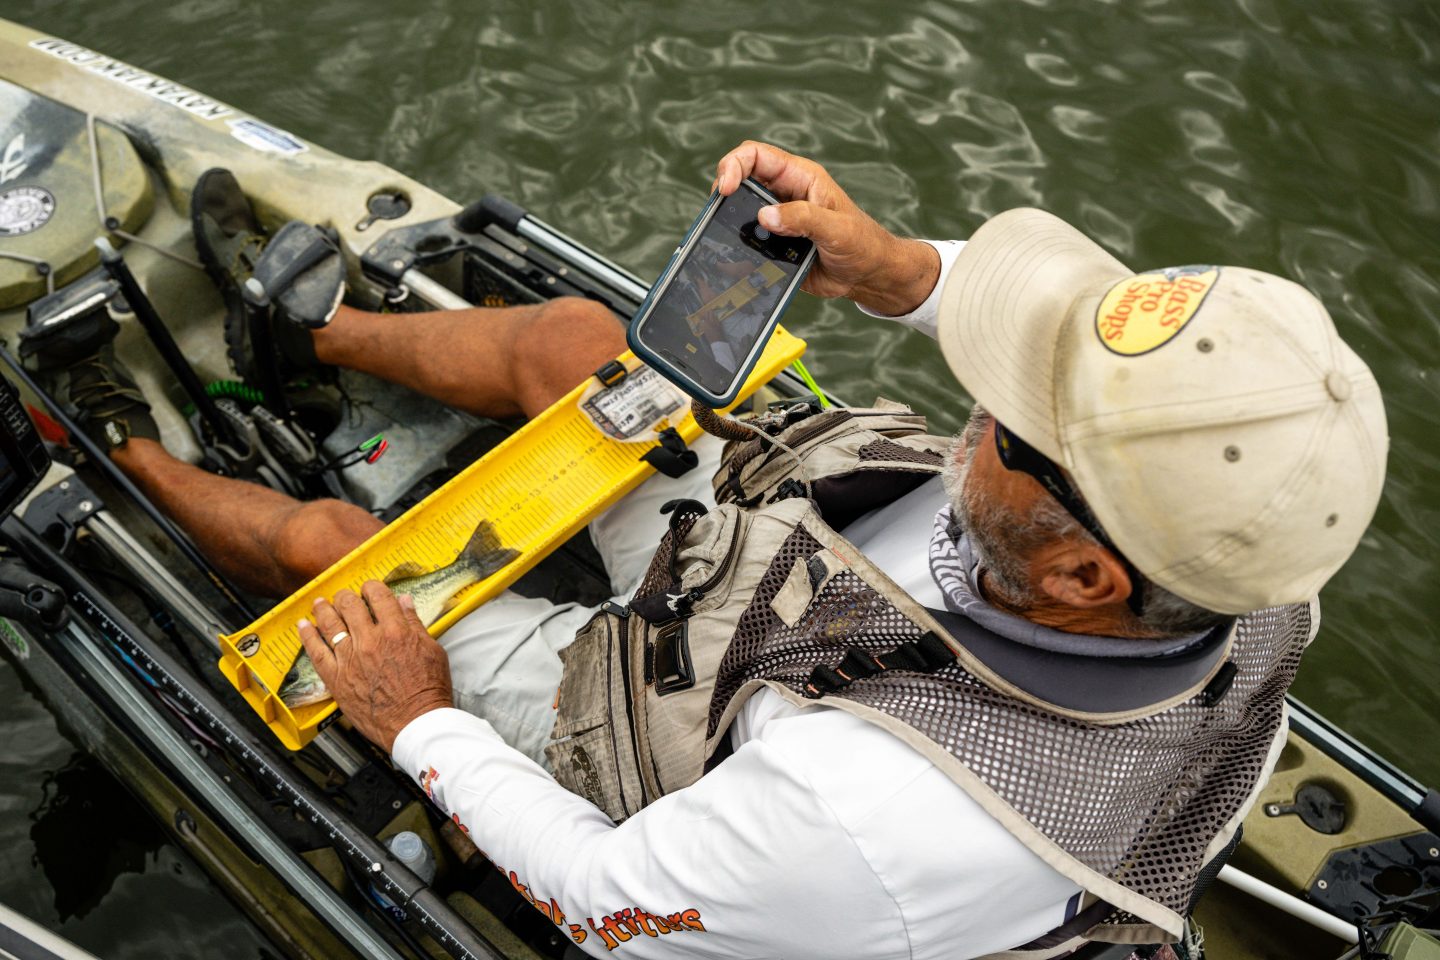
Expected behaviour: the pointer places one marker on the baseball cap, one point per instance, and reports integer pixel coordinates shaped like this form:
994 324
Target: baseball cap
1223 435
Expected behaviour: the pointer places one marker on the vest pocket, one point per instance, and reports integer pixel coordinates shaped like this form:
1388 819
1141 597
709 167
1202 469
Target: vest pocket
592 747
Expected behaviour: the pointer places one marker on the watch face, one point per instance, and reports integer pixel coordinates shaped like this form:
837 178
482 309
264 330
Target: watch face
24 210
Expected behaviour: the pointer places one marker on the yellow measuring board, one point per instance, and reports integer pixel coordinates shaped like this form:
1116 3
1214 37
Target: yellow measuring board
739 293
538 488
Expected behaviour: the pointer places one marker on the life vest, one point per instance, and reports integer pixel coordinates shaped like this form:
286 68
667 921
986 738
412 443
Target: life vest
1126 776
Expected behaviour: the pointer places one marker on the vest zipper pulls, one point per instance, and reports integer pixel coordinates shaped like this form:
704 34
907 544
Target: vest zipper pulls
682 604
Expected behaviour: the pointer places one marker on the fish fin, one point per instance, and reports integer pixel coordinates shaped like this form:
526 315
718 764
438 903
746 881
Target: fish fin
483 542
407 569
496 559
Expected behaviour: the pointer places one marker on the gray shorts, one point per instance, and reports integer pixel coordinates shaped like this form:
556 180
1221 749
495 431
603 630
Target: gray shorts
504 661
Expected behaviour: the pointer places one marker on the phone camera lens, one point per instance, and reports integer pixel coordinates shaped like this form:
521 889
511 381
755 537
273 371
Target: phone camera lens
761 233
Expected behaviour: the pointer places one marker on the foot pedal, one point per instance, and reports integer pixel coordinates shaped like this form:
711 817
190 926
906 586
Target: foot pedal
303 274
70 324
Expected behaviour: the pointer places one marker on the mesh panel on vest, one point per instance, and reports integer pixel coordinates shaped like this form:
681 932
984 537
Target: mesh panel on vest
659 574
898 453
1138 802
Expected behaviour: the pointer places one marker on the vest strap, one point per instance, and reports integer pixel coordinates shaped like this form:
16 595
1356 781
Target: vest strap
925 655
672 457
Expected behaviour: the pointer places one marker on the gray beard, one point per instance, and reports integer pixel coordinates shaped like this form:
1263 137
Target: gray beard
996 534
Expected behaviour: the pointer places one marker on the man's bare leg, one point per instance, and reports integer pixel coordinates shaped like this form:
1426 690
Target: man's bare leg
266 542
490 361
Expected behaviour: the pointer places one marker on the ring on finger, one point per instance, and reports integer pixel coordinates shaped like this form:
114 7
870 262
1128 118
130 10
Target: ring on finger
335 640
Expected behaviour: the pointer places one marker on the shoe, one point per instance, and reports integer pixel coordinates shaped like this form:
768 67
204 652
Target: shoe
233 247
106 403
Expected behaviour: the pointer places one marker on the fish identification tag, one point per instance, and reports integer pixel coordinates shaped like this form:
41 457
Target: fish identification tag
637 407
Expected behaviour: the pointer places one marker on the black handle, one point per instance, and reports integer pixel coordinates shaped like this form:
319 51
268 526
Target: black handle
487 210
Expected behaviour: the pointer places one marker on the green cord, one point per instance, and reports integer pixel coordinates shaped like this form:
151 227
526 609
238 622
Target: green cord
809 381
235 390
232 389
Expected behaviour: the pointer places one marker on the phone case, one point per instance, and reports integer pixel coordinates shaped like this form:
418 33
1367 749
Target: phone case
662 283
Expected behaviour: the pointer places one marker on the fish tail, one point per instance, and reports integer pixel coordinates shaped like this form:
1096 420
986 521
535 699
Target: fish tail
499 558
483 542
485 549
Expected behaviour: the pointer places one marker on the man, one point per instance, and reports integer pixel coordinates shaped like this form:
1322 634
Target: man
1075 709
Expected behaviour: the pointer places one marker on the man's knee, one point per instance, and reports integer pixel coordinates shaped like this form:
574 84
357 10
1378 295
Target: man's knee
305 541
570 339
571 325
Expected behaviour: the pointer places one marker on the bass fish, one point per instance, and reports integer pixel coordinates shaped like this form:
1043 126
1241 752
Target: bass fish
434 593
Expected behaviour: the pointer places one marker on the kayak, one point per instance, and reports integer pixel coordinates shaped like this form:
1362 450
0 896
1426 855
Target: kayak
1341 846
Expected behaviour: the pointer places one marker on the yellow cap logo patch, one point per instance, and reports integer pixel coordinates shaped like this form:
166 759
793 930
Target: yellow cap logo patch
1147 310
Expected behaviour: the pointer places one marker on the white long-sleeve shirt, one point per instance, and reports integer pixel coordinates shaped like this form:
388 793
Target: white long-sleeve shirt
820 836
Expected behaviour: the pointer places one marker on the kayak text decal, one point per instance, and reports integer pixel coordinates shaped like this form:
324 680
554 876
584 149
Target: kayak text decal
147 83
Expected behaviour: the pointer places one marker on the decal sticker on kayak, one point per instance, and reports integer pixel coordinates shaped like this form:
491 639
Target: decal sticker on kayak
12 164
261 136
147 83
1146 311
13 640
24 210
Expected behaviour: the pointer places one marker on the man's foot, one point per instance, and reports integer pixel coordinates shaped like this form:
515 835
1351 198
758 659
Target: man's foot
232 245
105 401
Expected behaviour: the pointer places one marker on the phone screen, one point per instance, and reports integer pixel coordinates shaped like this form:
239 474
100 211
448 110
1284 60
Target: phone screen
734 276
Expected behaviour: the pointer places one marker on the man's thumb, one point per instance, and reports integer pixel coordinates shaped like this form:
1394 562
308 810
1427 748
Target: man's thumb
799 218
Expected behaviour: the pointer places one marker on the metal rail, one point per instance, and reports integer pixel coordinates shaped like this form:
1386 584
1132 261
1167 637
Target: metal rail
1422 803
553 241
433 292
187 608
162 738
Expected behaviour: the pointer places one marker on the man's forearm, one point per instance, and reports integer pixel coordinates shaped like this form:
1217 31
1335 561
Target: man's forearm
911 270
709 872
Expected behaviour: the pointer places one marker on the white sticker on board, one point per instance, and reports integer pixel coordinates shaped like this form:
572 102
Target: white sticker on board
261 136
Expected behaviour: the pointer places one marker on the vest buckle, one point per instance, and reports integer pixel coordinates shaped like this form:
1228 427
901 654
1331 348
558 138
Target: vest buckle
787 490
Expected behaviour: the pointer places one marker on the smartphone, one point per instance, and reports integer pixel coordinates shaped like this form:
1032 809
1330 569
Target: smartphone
709 316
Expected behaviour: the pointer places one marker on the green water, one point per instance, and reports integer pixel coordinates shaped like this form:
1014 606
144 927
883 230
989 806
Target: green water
1297 137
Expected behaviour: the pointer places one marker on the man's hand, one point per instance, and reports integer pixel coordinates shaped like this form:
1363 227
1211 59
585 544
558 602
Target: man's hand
857 258
387 670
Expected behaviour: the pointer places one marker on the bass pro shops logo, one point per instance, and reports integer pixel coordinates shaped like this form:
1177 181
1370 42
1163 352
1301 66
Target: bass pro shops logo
1146 311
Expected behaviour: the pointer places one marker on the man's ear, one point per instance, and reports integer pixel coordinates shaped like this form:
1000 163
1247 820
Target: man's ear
1084 575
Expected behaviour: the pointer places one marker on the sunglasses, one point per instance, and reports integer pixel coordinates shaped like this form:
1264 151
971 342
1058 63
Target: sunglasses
1015 454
